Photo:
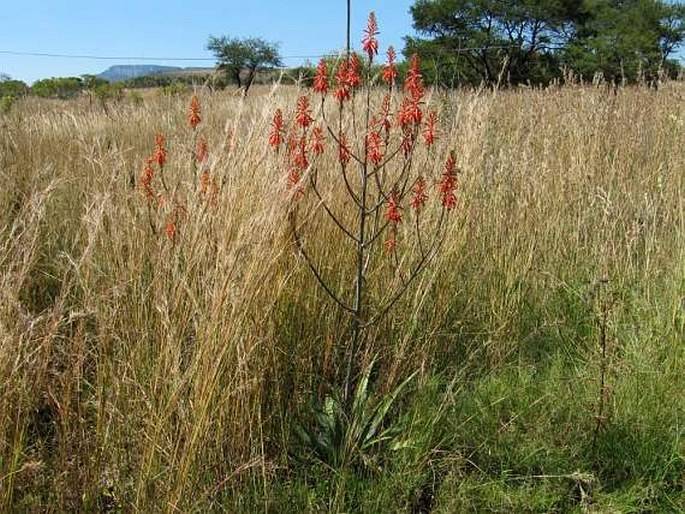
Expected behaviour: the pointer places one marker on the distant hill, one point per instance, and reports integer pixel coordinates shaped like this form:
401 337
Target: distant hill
129 71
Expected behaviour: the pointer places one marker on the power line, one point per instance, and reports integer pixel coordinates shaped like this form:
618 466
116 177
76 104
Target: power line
130 58
212 59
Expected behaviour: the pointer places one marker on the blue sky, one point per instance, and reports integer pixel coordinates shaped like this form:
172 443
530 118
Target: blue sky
175 28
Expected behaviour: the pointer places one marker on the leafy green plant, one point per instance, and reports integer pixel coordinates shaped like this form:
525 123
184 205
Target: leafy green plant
341 439
6 103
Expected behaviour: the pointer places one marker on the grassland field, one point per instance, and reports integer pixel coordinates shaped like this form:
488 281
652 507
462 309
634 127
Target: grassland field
546 338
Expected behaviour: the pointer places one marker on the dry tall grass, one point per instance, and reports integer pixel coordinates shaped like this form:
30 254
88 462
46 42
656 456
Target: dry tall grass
164 375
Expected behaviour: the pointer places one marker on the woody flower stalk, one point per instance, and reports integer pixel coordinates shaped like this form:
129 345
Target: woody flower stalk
378 175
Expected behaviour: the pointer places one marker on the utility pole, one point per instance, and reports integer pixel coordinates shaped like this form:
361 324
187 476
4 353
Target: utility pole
347 48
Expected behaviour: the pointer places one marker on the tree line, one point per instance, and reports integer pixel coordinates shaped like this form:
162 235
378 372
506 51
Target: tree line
536 41
461 42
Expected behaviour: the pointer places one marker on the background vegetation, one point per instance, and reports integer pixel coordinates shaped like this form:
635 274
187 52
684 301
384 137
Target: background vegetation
546 338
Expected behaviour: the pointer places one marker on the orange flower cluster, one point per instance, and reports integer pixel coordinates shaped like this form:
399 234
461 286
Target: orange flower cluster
304 138
344 153
347 77
389 72
302 113
374 147
146 178
276 134
393 211
342 92
418 194
317 141
159 157
171 229
201 152
369 41
429 129
410 108
321 78
194 110
160 152
448 183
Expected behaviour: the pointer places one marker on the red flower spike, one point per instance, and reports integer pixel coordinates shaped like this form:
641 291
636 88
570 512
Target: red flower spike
321 78
276 134
369 41
409 113
205 180
170 229
160 151
374 147
414 81
194 110
429 129
146 178
407 143
299 155
353 72
302 114
390 245
342 92
448 183
343 150
389 72
294 183
393 210
201 150
418 194
317 141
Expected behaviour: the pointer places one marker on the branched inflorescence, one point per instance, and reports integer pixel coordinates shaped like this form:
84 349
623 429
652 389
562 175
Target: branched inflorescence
168 202
376 148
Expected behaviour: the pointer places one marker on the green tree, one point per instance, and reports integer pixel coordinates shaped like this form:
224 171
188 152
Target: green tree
57 87
626 40
12 88
476 41
482 40
235 56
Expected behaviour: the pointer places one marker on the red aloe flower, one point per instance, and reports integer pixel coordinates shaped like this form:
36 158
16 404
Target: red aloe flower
160 151
414 81
409 112
342 92
353 73
407 143
317 141
343 149
390 245
321 78
299 155
146 178
276 134
201 150
170 229
429 129
390 70
374 147
369 41
294 183
385 115
194 112
302 115
418 194
205 180
393 211
448 183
